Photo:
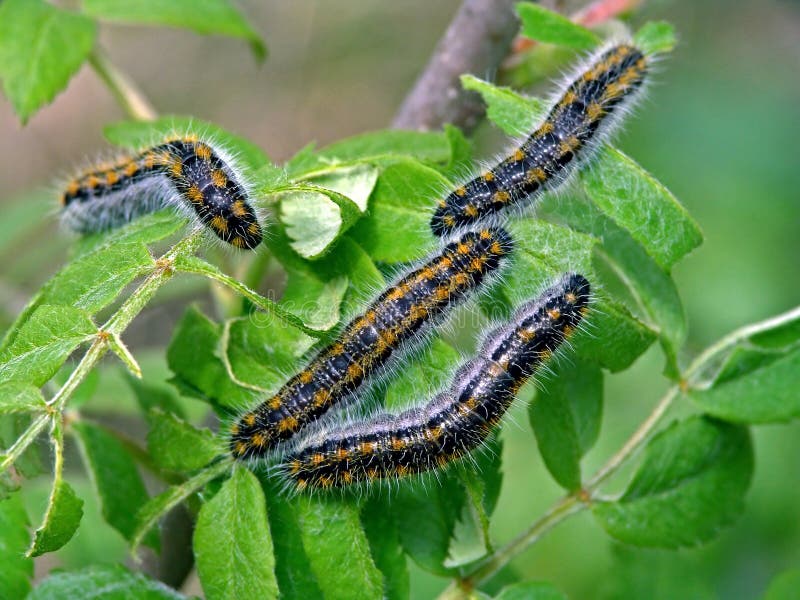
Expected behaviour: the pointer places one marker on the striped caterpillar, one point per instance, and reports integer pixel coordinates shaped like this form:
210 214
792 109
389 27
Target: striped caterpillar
584 114
457 420
181 172
395 320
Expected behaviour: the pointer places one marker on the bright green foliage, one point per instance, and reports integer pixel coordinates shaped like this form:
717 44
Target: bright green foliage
203 16
41 48
232 543
109 582
766 394
346 218
16 396
655 37
17 569
645 208
544 25
118 485
565 417
337 548
177 446
784 586
691 482
64 512
43 343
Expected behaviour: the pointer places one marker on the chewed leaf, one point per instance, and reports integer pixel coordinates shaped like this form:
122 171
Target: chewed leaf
315 217
544 25
656 37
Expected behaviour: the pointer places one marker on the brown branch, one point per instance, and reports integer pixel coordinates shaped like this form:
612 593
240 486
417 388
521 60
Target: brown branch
476 41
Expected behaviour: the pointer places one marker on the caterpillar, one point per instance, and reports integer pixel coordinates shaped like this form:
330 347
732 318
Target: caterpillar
181 172
454 422
579 118
393 321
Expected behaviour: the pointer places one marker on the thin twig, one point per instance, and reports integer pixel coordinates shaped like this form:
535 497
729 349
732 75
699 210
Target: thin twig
476 41
129 96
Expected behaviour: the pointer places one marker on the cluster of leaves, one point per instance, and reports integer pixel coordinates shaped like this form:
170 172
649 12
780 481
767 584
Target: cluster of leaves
619 227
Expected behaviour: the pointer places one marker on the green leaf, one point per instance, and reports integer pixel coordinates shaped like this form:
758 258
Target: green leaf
311 284
17 568
295 576
784 586
197 266
16 396
544 25
613 337
106 582
117 482
197 369
380 527
397 227
690 484
638 203
655 37
232 542
566 418
355 182
43 343
64 512
202 16
261 351
64 508
337 548
136 135
512 112
481 477
177 446
158 506
93 280
434 509
150 396
315 217
622 262
146 229
531 590
767 394
460 153
431 370
41 48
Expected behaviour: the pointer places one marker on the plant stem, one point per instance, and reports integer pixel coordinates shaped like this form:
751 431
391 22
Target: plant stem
115 325
129 96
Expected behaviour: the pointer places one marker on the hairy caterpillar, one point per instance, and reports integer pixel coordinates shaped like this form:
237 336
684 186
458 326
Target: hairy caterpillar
457 420
395 319
579 118
181 172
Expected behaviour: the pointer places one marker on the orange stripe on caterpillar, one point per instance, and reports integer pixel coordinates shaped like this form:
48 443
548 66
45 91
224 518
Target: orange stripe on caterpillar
456 421
181 172
579 118
392 323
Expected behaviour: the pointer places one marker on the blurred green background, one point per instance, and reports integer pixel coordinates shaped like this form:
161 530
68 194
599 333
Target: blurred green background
720 128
